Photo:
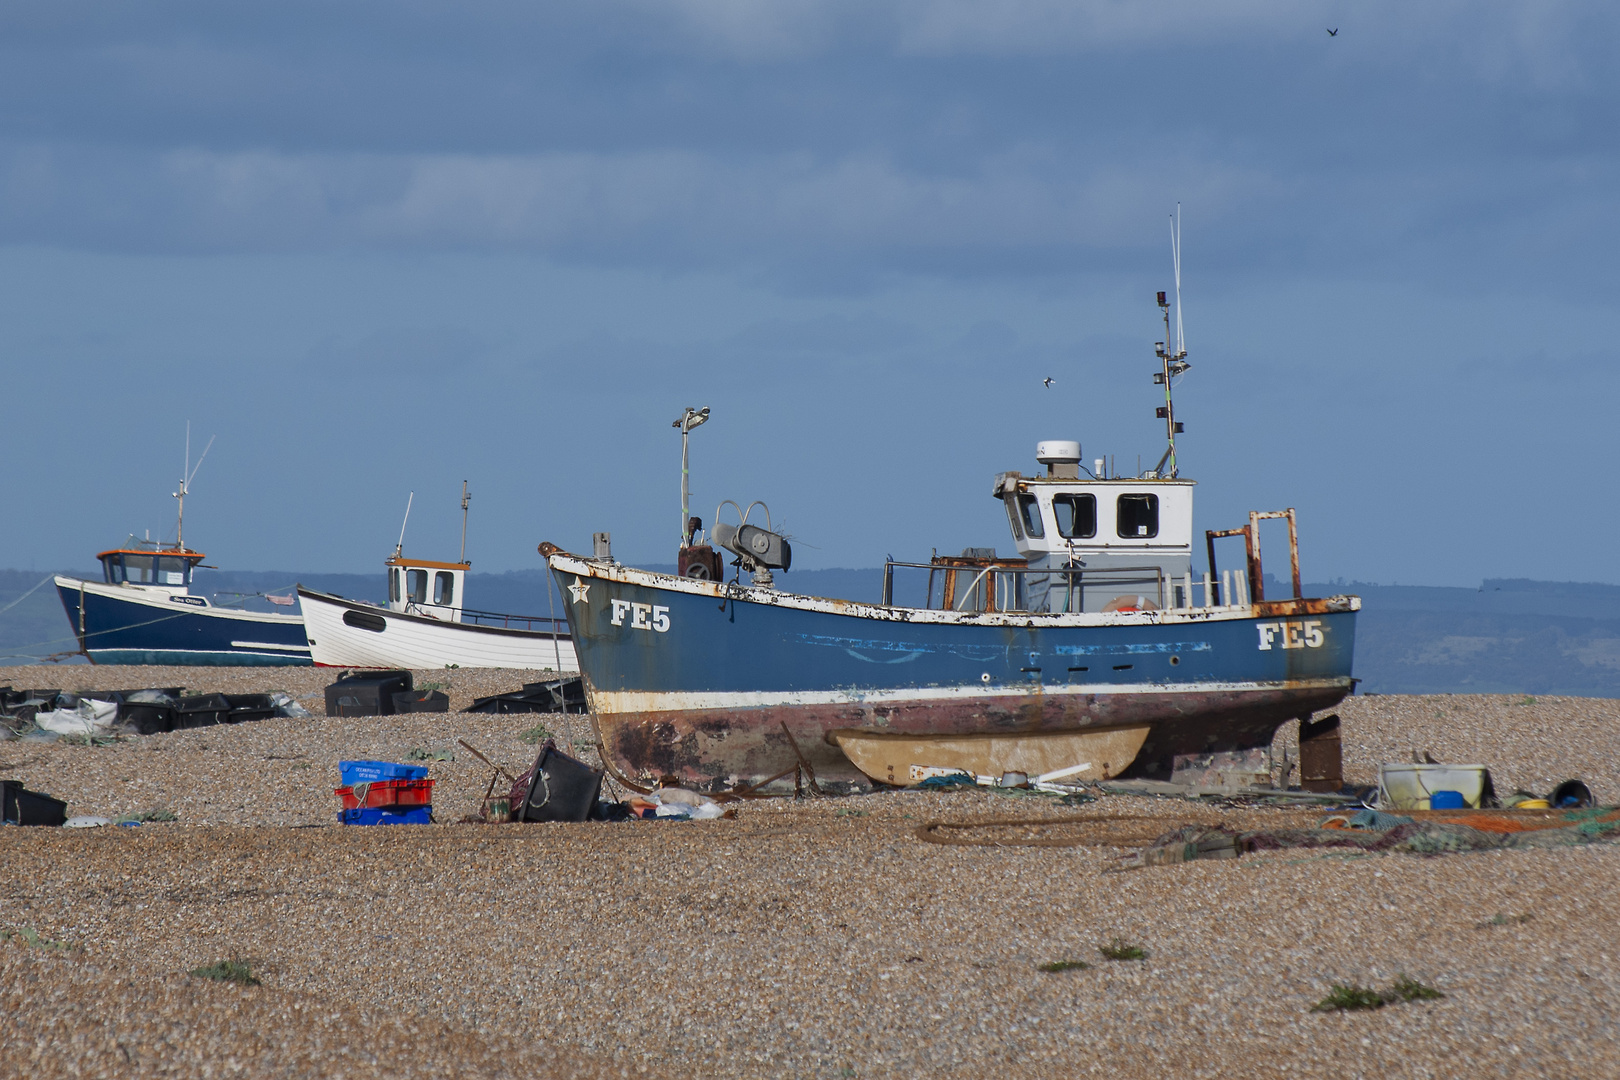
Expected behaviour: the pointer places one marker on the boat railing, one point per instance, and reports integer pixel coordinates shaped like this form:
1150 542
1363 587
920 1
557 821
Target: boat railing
538 623
1008 585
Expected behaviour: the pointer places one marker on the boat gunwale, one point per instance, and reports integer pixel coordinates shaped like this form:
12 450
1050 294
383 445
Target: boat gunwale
567 562
428 620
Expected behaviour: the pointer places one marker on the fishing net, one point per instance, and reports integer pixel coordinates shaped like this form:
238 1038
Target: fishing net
1388 833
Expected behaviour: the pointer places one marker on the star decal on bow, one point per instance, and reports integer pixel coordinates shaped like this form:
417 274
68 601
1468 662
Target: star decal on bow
581 591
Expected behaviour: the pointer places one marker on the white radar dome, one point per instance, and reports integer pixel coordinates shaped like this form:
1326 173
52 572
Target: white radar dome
1057 452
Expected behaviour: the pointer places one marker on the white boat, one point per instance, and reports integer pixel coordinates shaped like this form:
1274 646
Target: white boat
426 624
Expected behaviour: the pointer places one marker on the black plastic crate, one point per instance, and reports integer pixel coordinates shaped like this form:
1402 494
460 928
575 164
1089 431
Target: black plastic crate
19 806
148 719
249 707
556 695
422 701
559 788
366 693
201 710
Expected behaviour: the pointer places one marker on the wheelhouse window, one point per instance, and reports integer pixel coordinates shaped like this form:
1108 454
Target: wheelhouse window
172 570
1138 516
138 569
1029 512
1076 515
416 581
444 588
393 585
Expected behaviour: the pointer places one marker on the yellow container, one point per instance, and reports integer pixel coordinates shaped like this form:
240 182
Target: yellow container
1533 804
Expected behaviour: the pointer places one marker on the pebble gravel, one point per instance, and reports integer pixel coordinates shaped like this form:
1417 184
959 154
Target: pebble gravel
816 938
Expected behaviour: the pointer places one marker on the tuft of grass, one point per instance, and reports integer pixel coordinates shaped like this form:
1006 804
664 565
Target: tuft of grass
31 937
1408 989
428 687
1501 920
1057 966
537 734
1528 701
1121 950
1349 997
236 971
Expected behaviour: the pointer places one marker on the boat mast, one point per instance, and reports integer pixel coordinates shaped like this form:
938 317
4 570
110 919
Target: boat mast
690 419
187 474
1172 354
466 497
399 548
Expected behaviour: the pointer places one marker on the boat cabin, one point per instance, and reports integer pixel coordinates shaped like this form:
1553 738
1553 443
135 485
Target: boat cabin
423 587
164 568
1098 543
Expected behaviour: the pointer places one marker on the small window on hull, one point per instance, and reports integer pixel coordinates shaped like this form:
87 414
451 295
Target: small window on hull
444 588
417 585
1076 515
365 620
1138 516
1029 511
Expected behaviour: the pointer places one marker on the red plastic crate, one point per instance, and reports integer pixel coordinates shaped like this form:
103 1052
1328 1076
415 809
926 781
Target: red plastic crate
387 793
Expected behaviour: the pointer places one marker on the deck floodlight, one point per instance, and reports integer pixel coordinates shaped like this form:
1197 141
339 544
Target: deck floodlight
756 547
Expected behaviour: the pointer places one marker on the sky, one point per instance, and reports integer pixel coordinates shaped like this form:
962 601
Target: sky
373 249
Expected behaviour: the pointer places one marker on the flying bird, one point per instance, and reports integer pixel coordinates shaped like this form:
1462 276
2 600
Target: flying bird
1047 382
1333 32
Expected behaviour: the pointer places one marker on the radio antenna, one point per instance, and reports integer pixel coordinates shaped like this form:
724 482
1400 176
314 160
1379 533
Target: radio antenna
399 548
1172 354
1175 255
188 472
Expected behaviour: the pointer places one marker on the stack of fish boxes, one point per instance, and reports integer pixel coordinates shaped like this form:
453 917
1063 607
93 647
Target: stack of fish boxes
383 793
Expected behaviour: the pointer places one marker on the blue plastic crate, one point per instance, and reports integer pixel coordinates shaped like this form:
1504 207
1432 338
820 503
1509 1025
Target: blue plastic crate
386 815
366 772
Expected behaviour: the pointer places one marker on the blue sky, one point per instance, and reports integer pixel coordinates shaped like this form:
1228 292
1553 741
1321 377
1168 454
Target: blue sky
377 248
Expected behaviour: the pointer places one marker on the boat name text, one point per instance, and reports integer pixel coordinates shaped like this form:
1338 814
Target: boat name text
1291 635
639 614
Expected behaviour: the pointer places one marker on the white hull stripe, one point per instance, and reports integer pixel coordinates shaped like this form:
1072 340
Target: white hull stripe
268 645
608 702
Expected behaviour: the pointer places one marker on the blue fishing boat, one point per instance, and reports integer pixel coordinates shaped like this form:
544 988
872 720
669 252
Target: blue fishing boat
1094 652
143 610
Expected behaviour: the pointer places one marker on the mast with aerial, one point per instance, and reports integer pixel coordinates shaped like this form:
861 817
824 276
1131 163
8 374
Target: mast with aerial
187 474
1172 353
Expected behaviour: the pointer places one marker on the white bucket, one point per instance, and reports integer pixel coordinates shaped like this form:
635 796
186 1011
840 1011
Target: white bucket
1408 787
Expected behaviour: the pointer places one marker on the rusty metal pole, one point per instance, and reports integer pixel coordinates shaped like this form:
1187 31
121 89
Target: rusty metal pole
1251 538
1293 551
1214 574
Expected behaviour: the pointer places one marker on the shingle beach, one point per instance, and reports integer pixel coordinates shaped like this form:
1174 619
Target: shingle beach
817 938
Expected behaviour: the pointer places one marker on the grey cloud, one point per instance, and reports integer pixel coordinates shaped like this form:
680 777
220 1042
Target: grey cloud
663 204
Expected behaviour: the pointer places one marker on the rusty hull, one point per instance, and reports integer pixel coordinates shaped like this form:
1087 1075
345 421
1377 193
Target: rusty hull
721 750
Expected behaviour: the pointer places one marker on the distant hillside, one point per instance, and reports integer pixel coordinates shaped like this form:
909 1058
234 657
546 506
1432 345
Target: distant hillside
1507 636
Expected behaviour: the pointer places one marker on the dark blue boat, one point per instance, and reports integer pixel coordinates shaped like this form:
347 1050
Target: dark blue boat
143 612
